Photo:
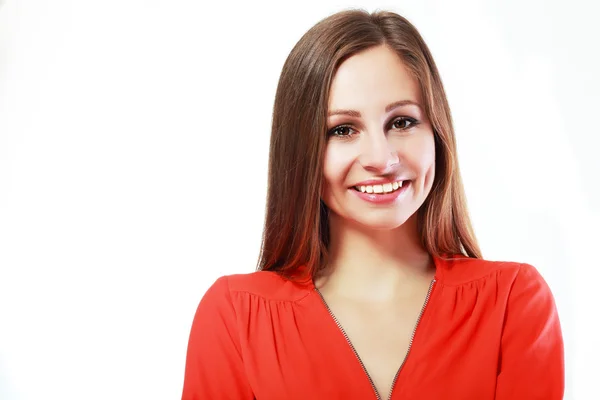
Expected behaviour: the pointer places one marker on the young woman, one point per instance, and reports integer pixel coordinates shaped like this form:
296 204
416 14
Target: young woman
371 284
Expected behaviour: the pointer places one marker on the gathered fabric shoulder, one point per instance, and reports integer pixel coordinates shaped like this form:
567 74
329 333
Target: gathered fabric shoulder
270 286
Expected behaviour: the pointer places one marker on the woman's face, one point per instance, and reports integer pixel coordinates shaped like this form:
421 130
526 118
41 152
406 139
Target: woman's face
380 157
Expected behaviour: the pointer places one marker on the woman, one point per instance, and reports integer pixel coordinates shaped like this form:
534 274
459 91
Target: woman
371 284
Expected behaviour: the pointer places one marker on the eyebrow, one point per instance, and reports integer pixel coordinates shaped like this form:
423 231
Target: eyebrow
388 108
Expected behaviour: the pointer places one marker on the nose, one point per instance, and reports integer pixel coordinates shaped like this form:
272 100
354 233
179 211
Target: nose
376 153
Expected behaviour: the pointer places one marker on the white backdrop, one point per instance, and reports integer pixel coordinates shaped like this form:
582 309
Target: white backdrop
133 153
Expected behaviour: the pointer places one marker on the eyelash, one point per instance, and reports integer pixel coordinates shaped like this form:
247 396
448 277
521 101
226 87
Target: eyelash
413 122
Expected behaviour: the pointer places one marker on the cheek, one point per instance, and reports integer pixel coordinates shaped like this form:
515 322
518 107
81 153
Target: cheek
428 158
426 161
336 164
419 158
421 153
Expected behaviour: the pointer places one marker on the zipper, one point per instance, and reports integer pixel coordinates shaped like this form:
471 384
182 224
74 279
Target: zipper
412 337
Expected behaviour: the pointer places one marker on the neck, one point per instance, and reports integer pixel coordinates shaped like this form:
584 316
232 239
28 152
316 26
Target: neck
374 265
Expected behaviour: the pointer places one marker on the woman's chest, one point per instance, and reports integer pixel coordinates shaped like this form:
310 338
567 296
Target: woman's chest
380 335
306 352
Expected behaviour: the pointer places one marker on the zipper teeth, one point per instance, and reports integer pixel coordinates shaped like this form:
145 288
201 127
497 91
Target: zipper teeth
412 336
350 343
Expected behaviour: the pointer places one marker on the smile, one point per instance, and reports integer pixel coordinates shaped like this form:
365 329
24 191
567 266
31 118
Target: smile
380 189
382 194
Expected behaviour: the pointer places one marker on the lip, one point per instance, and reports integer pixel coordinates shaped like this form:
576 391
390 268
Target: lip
385 198
372 182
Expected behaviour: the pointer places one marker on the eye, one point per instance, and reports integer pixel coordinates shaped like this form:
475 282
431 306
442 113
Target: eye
341 130
404 123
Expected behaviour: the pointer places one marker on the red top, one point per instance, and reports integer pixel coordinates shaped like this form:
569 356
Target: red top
490 330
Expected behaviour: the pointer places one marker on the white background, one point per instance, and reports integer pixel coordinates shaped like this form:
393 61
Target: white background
133 153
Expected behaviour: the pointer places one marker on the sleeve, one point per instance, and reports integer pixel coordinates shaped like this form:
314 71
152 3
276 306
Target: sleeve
214 367
532 354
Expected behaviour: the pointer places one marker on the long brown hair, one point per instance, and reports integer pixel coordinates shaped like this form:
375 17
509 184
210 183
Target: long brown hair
296 223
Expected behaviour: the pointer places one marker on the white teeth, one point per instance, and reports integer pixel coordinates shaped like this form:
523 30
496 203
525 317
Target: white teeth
385 188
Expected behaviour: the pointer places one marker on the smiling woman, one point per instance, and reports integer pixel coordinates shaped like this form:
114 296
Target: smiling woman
371 284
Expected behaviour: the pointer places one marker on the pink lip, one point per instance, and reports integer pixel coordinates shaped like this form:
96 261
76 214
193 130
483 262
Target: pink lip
385 198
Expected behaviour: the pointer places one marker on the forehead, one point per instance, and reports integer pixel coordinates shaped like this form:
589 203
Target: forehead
372 79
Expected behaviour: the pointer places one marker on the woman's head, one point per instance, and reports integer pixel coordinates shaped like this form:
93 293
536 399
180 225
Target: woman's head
379 163
361 62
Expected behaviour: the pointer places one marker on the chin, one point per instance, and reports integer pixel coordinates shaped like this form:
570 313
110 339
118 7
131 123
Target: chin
381 222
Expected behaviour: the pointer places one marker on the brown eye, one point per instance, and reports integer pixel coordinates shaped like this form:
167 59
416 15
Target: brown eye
403 123
340 131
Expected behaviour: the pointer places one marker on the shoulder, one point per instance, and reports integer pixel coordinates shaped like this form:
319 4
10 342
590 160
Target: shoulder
518 288
460 270
267 285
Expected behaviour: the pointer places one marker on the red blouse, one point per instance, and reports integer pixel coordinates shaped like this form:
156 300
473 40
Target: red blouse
490 330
